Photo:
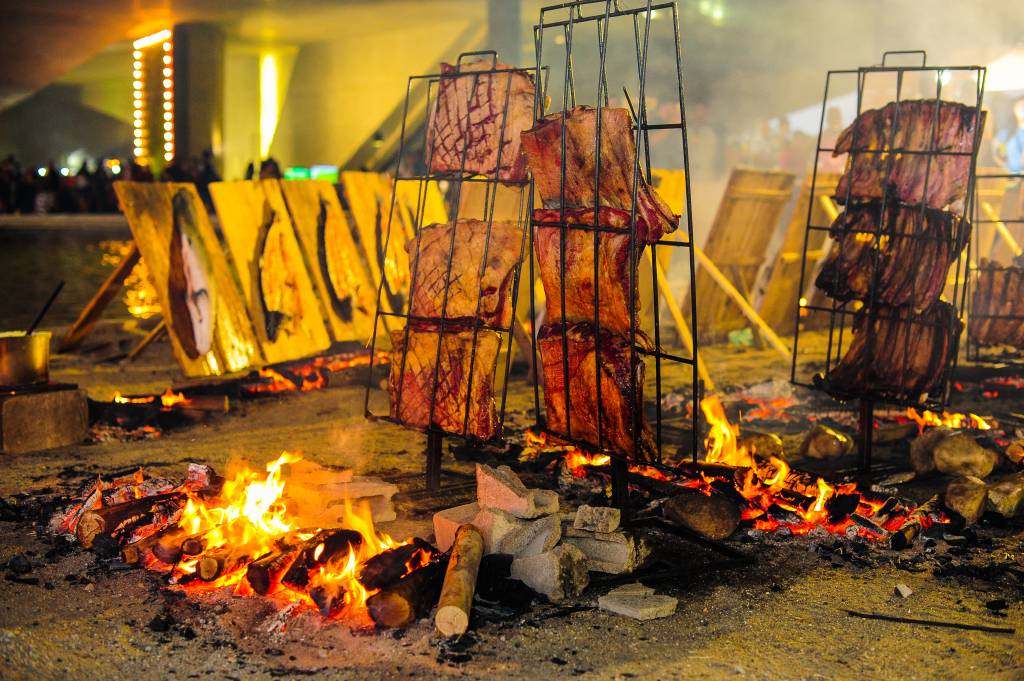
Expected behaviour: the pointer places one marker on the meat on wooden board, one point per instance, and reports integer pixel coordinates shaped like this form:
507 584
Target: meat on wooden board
998 292
616 417
614 277
897 354
914 253
542 146
909 126
411 392
470 125
466 288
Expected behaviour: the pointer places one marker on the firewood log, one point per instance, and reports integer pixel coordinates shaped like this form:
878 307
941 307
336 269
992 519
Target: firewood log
912 526
328 597
222 560
133 553
174 546
409 598
386 567
111 519
335 541
264 573
456 603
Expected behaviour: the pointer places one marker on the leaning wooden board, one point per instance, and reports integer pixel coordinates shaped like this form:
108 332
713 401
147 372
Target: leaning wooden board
342 280
742 229
777 289
270 267
208 323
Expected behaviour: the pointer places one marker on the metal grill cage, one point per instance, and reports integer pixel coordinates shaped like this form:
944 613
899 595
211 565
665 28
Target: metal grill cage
998 234
393 311
876 86
584 43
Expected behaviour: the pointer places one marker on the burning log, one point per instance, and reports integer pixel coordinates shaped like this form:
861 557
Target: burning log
170 548
112 519
915 522
310 555
385 568
266 572
328 597
411 597
133 553
222 560
453 610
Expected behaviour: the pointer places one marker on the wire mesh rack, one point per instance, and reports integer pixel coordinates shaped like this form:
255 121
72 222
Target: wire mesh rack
453 356
995 320
589 41
907 193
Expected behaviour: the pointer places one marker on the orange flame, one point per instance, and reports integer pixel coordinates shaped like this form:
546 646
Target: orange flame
947 420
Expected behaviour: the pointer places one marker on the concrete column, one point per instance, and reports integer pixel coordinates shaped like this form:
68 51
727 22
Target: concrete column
504 29
198 89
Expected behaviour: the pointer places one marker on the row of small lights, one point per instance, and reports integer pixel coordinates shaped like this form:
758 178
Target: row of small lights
138 95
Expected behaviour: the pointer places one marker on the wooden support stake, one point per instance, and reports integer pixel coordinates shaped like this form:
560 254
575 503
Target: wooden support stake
1001 229
93 310
456 602
680 321
146 341
737 297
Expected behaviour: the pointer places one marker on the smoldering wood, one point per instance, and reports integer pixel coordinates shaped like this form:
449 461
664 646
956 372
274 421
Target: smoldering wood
411 597
335 541
171 548
328 597
264 573
222 560
109 519
134 552
386 567
915 522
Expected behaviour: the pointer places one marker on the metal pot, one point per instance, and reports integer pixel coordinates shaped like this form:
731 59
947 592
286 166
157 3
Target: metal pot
24 360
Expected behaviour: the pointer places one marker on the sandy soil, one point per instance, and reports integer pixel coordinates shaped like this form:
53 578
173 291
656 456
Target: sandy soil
781 618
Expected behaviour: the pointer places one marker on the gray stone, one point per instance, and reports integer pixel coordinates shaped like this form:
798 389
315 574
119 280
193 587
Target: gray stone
633 589
1006 497
921 457
597 518
822 442
902 590
1015 452
715 516
558 574
495 525
763 444
960 454
531 539
502 489
966 495
613 552
638 606
448 521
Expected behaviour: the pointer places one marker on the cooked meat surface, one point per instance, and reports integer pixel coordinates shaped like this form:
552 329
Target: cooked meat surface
910 126
914 252
466 288
896 355
615 364
479 118
411 392
542 146
998 292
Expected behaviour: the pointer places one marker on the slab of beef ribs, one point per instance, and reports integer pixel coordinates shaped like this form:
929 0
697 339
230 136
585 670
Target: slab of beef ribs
466 288
615 367
466 121
914 253
614 276
411 392
998 292
542 146
900 360
868 173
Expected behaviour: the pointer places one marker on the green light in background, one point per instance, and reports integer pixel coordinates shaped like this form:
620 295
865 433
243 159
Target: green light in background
296 173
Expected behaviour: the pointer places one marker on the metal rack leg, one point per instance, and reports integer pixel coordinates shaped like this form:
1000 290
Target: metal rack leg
620 485
433 465
867 427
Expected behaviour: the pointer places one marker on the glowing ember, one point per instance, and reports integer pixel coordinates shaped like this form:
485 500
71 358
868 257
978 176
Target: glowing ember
168 400
311 375
947 420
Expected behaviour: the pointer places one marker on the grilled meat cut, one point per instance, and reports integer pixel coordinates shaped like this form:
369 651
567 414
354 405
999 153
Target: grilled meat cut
914 253
478 117
411 392
998 292
896 355
918 128
542 146
615 367
466 288
613 278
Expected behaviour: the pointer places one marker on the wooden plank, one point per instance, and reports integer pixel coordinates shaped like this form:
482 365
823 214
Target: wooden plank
94 309
342 281
147 340
777 287
744 224
184 258
268 261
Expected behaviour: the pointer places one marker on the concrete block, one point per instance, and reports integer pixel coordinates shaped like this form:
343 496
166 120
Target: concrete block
502 489
597 518
37 421
612 552
448 521
558 574
638 606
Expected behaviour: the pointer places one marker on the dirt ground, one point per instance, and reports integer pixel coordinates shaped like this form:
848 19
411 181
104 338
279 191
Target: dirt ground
783 617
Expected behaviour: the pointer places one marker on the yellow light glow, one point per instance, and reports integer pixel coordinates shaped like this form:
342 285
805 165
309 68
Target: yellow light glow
168 125
137 73
137 54
153 39
137 104
138 114
268 101
169 146
136 65
137 84
137 94
168 115
167 47
138 132
168 136
168 94
167 59
138 151
167 72
168 156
